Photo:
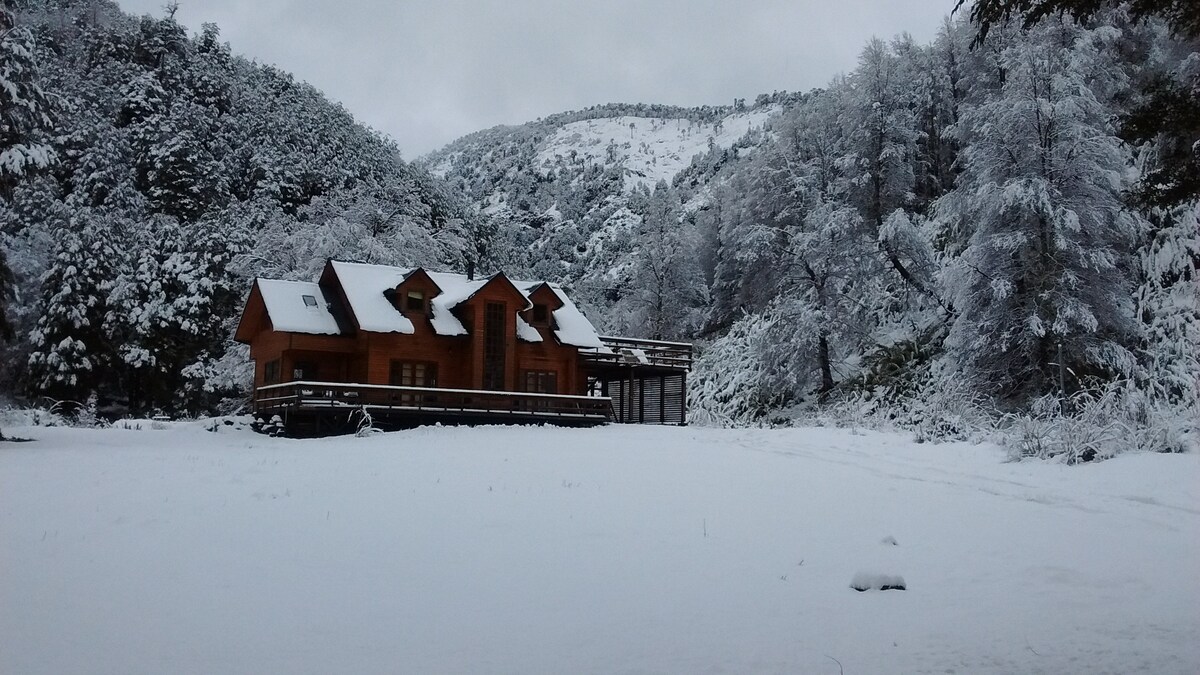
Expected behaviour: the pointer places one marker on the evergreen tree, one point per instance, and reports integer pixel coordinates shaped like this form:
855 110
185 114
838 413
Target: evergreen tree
24 106
71 352
168 309
1168 114
6 296
1043 287
24 118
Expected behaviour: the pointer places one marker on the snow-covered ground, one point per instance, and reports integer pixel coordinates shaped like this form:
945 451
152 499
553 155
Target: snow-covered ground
616 549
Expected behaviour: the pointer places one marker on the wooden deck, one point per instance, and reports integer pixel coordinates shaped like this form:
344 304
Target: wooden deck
318 408
630 380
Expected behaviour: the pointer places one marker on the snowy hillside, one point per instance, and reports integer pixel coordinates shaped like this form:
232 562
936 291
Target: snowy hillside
616 549
565 197
649 149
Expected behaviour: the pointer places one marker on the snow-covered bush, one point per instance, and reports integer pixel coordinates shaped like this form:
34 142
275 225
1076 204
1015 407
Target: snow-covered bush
730 384
87 415
1100 423
32 417
946 410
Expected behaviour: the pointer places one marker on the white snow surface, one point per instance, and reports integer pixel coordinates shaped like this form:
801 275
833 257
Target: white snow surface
286 308
618 549
650 149
364 285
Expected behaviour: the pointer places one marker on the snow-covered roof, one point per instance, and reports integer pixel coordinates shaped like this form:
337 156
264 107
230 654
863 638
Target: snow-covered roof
573 327
364 286
455 289
297 307
526 332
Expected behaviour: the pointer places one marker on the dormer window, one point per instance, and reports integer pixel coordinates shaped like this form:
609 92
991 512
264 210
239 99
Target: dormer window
310 301
414 301
540 313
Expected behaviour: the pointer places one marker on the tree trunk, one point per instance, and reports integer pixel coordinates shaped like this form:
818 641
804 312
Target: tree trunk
826 369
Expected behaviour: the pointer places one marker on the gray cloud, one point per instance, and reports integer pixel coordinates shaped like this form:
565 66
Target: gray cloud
428 72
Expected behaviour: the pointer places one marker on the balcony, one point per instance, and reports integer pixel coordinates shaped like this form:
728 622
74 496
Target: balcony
643 355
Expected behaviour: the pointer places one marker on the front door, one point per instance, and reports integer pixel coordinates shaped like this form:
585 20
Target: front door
494 347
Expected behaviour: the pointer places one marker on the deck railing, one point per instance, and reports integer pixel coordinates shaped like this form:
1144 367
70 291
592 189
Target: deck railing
636 352
313 396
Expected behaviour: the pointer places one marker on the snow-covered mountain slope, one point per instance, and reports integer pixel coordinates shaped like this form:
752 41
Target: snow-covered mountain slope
526 168
615 549
551 190
648 149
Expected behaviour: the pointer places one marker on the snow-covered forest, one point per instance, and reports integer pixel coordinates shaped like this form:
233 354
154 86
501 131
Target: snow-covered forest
997 223
948 234
148 175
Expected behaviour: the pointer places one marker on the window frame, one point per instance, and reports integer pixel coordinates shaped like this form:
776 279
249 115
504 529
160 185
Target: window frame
420 304
429 370
539 381
272 370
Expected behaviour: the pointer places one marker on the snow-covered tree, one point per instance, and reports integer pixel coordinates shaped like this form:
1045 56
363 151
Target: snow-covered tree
1168 302
667 289
24 106
1043 288
6 296
169 308
70 350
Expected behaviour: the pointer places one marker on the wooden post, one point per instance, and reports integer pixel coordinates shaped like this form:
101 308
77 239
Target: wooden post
630 418
683 399
642 401
663 399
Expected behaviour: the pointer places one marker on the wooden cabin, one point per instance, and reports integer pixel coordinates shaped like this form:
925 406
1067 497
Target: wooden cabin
410 346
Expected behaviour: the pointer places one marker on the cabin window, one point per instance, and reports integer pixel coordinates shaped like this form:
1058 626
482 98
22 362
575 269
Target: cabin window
495 323
541 381
540 313
271 372
413 374
310 301
304 370
415 301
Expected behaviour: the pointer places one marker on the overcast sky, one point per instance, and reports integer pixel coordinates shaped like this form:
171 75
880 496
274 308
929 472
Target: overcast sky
428 71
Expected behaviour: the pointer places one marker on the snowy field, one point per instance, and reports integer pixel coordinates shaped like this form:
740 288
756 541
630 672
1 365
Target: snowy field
610 550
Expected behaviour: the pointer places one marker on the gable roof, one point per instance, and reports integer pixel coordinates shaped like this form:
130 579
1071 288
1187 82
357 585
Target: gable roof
573 328
289 312
364 285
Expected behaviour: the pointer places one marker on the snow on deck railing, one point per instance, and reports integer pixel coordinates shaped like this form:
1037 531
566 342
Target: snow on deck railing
632 341
427 390
636 351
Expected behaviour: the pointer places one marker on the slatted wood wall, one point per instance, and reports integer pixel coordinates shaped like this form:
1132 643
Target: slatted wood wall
652 399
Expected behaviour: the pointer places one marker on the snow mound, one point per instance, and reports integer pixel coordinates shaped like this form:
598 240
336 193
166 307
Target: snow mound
868 581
